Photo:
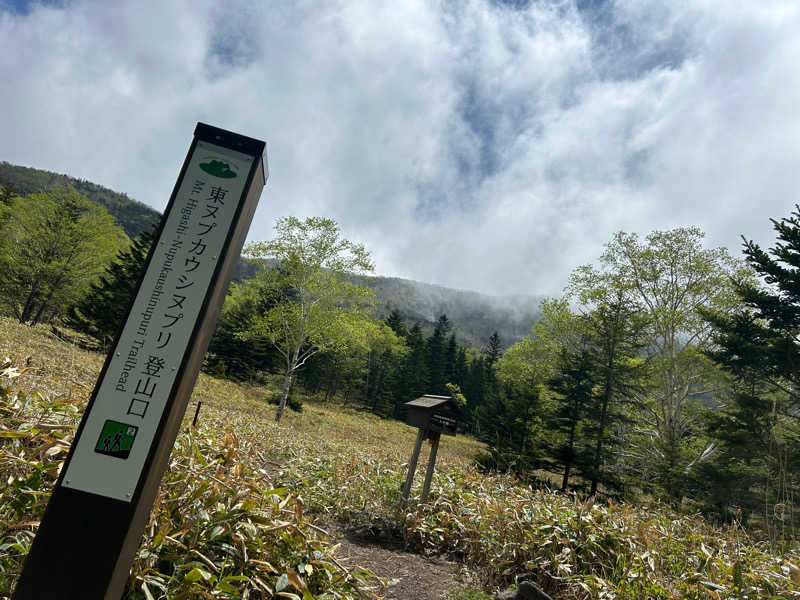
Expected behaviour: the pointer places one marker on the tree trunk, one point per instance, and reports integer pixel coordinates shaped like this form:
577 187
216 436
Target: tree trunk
571 452
27 308
42 306
565 479
287 386
598 448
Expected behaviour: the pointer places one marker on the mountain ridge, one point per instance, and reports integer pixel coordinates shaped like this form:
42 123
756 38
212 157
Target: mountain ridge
133 216
474 315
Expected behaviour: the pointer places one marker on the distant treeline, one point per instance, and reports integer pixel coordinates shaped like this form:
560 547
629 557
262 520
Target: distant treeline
133 217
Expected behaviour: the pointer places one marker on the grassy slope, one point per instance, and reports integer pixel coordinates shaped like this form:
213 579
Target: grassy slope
333 464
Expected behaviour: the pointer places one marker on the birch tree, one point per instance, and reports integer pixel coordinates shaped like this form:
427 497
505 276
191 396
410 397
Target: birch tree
318 307
670 275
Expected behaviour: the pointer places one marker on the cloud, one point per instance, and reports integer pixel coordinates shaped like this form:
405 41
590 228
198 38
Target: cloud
480 144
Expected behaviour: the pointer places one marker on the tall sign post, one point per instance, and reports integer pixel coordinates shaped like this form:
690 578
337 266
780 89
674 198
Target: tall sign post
101 503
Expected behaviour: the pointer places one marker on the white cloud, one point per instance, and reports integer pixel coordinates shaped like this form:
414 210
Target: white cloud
465 143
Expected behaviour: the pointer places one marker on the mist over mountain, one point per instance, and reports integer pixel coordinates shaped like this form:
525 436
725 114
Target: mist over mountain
474 316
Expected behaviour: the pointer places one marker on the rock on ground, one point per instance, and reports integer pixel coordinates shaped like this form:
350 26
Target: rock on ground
527 590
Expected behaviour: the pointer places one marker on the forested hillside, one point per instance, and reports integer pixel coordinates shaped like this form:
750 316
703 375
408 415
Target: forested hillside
134 217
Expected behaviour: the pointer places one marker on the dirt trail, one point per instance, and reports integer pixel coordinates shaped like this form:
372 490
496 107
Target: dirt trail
419 578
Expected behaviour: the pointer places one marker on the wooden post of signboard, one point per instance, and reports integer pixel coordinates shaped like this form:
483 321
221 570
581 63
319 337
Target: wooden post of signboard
98 510
426 488
412 465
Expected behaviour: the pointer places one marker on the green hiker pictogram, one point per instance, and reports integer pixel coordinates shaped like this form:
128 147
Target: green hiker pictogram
218 168
116 439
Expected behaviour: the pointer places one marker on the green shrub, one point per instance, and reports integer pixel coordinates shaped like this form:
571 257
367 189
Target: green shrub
291 402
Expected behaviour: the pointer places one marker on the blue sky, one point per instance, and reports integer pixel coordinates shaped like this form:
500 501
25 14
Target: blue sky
481 144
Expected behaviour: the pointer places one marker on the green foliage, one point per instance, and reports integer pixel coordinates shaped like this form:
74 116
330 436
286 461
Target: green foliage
755 466
584 369
534 360
573 388
504 532
517 416
257 492
412 381
667 276
55 244
218 528
318 309
437 356
292 402
466 592
100 313
228 354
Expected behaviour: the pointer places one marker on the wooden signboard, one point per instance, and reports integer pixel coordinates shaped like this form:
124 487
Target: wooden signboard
433 415
436 414
100 505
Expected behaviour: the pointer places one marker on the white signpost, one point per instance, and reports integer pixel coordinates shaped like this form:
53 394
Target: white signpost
144 365
96 515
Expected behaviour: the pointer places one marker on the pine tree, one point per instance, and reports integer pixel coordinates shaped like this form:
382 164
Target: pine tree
7 194
229 355
460 368
450 355
493 349
437 356
574 388
474 387
618 329
509 421
100 313
395 321
412 381
757 462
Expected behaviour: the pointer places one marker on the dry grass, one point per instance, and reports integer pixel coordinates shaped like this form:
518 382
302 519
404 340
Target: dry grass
345 465
62 370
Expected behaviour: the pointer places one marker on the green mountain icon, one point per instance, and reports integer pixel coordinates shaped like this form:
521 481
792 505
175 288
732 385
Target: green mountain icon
217 168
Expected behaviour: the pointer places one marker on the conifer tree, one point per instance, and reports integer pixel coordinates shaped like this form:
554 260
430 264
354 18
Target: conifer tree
100 313
573 385
412 381
395 321
757 463
7 194
618 330
460 368
437 356
493 349
475 385
228 354
450 355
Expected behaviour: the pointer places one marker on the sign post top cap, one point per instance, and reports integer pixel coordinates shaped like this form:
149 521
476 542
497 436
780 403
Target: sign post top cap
229 139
